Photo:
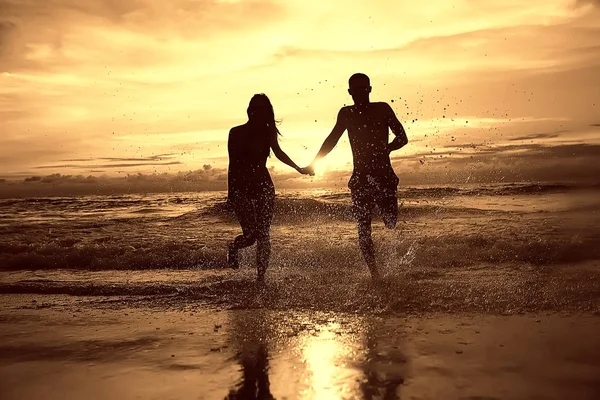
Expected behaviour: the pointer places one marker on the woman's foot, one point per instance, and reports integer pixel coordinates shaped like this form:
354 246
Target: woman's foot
260 277
233 257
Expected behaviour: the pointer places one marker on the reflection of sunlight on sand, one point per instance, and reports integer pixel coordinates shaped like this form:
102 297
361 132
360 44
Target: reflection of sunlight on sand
327 360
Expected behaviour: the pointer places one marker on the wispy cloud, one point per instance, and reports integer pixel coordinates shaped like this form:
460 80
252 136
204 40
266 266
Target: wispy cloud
547 135
92 82
88 166
157 157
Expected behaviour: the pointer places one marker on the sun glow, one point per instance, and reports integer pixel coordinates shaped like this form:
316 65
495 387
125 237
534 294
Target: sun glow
329 164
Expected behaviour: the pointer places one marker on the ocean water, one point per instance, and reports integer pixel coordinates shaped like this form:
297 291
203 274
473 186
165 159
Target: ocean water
539 224
161 243
129 296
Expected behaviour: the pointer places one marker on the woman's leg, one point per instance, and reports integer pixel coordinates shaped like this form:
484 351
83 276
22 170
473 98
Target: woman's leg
245 213
264 215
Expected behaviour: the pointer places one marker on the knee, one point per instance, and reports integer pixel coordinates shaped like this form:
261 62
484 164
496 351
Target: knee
245 240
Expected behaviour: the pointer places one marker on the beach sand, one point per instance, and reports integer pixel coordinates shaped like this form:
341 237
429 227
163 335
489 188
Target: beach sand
56 346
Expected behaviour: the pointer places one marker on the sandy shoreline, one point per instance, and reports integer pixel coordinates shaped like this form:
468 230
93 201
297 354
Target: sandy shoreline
485 288
492 331
66 347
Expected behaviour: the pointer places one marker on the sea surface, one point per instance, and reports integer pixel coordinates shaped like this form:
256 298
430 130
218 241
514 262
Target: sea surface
172 236
490 292
513 222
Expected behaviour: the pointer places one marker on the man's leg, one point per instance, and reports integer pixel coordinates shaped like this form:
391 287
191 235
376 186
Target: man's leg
387 201
362 205
244 210
365 241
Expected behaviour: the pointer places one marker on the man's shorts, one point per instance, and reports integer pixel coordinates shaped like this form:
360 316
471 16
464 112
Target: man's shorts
370 193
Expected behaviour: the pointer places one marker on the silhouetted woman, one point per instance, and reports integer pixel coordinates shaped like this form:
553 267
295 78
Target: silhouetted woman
251 191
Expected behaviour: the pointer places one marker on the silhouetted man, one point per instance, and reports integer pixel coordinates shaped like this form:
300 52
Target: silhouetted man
373 180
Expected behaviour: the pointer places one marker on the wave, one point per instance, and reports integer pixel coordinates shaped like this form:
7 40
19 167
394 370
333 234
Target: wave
149 210
439 251
290 210
414 291
100 202
337 205
290 205
88 289
494 190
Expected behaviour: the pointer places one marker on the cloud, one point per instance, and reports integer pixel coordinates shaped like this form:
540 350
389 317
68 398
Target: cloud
157 157
206 178
524 162
7 29
559 46
587 2
573 163
94 82
149 31
123 165
547 135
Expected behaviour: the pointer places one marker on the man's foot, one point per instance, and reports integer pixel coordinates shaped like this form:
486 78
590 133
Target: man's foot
375 275
232 257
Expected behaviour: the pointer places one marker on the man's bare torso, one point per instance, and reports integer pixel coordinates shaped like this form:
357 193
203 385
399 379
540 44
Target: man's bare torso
368 132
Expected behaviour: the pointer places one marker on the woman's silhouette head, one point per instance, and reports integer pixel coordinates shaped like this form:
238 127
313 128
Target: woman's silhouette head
260 110
261 118
261 114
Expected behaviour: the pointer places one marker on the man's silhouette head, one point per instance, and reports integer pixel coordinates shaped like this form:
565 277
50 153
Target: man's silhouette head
359 87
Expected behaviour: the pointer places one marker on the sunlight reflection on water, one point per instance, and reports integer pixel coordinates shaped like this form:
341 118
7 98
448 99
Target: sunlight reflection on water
312 357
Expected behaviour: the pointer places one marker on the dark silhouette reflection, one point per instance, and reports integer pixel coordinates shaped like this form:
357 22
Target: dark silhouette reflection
250 339
251 193
255 381
327 359
384 366
373 182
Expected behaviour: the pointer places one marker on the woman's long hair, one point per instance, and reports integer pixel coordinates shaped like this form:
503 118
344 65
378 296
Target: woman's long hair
262 117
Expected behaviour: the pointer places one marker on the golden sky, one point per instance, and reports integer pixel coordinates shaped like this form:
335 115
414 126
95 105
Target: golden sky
125 86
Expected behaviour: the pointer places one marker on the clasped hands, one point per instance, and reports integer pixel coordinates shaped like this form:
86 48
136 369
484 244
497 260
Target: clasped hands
308 170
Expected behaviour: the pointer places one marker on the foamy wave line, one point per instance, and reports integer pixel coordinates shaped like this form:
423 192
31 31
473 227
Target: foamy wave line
441 251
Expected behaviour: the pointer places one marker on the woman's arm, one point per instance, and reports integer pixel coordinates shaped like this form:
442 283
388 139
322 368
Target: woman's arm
282 156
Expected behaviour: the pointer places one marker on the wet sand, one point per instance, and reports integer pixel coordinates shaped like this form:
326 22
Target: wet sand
65 347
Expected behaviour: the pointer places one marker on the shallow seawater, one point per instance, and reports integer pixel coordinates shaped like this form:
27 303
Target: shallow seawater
72 351
498 248
456 226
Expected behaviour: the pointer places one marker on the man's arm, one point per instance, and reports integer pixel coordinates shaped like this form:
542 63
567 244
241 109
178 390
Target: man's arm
231 147
401 139
332 139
